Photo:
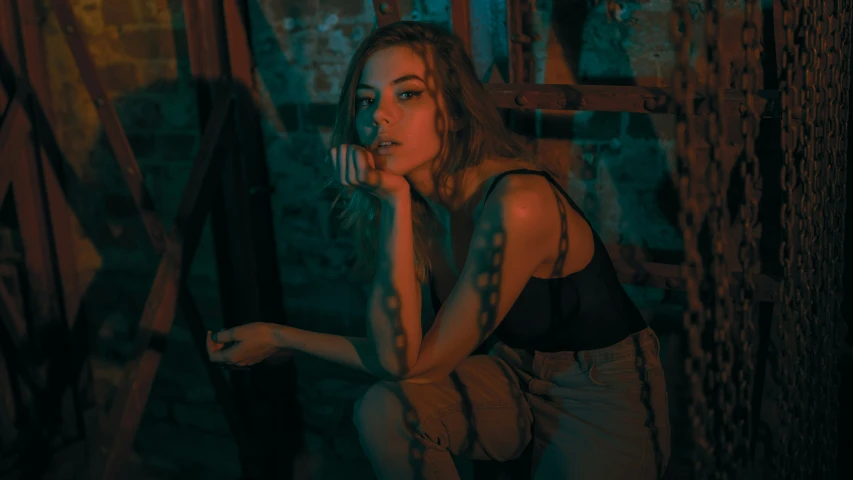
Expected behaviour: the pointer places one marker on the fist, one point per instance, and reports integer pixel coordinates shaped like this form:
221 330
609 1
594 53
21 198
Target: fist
356 167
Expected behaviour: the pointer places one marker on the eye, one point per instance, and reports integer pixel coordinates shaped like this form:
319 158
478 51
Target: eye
411 94
363 102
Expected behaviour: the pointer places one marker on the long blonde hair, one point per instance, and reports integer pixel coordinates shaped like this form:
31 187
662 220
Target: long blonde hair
479 133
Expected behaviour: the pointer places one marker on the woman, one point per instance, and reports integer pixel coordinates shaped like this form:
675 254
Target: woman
443 196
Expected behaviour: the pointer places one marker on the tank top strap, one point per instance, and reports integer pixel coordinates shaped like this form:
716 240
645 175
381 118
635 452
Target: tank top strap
536 172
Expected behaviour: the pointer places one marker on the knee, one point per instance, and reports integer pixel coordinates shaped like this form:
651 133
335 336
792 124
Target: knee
383 405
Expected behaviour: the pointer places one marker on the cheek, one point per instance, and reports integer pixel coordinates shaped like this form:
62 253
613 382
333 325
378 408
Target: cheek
364 127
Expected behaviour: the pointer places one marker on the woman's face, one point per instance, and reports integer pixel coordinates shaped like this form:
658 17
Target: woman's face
394 104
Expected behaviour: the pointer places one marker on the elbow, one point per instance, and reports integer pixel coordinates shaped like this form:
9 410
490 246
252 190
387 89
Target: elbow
421 374
393 370
397 366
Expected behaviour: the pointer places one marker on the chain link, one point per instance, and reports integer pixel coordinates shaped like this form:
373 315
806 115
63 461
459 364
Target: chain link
837 142
822 48
719 379
745 332
689 217
786 312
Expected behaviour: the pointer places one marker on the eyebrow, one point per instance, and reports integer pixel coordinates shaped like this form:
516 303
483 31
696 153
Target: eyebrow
395 82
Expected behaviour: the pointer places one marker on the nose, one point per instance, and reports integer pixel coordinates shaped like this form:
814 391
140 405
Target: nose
386 111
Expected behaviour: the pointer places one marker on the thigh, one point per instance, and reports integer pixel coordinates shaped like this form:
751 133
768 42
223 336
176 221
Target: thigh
600 418
479 411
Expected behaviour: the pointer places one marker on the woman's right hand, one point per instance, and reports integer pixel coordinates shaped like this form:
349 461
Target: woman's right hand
356 167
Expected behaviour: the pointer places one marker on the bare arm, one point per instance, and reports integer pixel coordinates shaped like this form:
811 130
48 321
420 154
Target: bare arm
394 305
353 352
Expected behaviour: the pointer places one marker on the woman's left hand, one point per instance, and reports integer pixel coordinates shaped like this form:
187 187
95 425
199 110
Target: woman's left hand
250 344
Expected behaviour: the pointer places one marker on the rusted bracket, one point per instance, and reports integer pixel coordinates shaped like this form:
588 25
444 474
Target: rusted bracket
387 12
614 98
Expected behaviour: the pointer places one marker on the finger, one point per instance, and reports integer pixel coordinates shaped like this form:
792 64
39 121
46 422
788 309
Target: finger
211 345
353 167
341 155
365 174
369 175
225 336
220 356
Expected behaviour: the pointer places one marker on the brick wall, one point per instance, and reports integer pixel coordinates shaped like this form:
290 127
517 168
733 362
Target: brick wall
620 168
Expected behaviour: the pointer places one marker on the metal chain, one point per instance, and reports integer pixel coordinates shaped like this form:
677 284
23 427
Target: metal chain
748 253
786 313
837 174
689 216
816 30
806 158
719 304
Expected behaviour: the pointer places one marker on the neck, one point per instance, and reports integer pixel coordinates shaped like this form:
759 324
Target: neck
456 198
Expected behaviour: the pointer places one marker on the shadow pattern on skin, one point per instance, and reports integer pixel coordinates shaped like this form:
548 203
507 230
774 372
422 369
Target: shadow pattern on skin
391 308
488 252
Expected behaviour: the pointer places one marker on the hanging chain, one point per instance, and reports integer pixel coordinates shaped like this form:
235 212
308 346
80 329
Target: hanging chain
839 31
790 315
745 332
689 216
805 35
719 380
817 62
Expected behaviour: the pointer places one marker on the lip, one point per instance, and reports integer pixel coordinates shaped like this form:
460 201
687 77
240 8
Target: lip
382 138
386 150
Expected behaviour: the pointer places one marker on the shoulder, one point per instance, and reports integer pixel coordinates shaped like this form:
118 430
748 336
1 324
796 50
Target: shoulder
522 203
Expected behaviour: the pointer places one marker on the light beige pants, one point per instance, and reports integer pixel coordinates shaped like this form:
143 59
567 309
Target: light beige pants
596 414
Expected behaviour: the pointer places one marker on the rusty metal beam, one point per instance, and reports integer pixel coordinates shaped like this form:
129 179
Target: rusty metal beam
207 54
12 320
211 57
460 19
387 12
520 35
613 98
14 124
43 126
245 238
31 202
116 439
110 121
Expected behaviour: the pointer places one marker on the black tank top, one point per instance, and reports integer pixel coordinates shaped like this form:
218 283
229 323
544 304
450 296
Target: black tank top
585 310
